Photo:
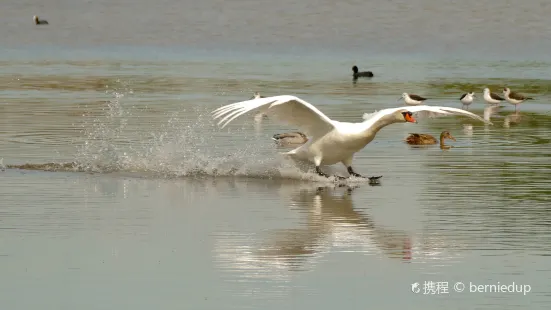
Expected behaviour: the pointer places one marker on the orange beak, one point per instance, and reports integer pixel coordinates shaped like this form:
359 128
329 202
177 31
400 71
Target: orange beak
410 118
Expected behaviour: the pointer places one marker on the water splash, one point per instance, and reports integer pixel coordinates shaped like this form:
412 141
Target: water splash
176 148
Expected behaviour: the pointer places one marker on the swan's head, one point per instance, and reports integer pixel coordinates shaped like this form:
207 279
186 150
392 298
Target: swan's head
506 91
405 116
446 135
355 69
486 91
472 94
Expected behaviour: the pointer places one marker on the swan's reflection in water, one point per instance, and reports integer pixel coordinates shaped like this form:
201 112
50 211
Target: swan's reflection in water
331 224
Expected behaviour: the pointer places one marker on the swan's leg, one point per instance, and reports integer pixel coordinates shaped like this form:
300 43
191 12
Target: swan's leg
317 162
348 164
353 173
319 172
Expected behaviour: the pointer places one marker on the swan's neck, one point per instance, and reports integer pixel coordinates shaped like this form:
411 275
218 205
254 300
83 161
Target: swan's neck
379 124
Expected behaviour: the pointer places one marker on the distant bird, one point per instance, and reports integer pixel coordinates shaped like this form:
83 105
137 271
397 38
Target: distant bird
290 138
259 116
492 98
466 99
514 98
361 74
39 22
412 99
256 95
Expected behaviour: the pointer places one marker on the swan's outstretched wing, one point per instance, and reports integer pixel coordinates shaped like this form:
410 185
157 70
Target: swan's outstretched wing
287 109
424 111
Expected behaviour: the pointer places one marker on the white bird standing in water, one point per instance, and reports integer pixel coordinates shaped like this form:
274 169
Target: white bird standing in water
466 99
259 116
330 141
257 95
514 98
412 99
492 98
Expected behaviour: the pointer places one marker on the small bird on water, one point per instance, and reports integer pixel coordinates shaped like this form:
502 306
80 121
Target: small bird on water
466 99
256 95
39 22
492 98
259 116
412 99
290 138
514 98
426 139
358 74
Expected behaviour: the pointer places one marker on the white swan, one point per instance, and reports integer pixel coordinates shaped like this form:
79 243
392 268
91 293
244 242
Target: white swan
330 141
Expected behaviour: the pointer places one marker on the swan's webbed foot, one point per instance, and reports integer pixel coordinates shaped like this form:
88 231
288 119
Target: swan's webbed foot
321 173
357 175
353 173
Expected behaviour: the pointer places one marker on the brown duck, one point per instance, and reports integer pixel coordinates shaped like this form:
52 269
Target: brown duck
290 138
425 139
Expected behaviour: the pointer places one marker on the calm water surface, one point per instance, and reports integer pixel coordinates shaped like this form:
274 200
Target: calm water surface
118 191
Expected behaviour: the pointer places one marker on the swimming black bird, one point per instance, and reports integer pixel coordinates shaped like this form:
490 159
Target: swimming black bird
361 74
39 22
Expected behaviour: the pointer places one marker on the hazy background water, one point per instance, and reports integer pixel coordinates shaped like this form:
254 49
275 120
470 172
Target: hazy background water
120 191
